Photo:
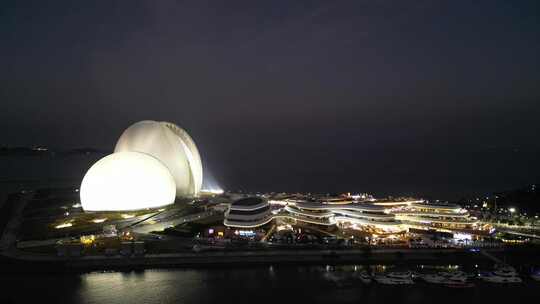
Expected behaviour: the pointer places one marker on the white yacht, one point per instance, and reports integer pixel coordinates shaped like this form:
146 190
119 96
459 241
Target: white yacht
504 274
365 277
455 276
454 279
505 271
498 279
445 277
433 278
457 279
394 278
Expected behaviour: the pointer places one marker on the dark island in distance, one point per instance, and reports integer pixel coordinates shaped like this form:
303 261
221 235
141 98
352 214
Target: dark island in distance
45 151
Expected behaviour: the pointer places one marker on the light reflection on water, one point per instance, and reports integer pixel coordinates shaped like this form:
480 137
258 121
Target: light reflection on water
265 284
167 286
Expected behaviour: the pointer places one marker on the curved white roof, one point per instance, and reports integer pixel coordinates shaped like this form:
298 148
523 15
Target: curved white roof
431 214
353 206
452 207
425 219
249 203
364 214
127 181
250 224
247 217
308 213
363 221
172 146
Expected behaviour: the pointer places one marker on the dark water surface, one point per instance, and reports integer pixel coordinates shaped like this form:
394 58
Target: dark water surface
32 172
286 284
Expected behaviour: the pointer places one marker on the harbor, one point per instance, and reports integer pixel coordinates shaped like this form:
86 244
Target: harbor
267 283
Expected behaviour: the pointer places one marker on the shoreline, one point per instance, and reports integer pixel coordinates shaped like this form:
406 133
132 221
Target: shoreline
523 256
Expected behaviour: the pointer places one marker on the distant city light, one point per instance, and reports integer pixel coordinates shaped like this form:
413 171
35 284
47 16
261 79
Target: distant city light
87 239
216 191
99 220
462 236
64 225
512 209
358 196
284 227
247 233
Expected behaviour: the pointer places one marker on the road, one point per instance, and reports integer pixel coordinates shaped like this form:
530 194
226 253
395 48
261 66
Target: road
536 236
163 221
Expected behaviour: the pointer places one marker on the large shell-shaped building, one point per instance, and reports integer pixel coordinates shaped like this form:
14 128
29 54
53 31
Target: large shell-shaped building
172 146
127 181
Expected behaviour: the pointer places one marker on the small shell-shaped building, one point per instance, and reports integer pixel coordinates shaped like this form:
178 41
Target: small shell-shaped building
172 146
127 181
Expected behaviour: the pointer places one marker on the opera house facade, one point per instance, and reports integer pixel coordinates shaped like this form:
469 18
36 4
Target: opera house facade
153 162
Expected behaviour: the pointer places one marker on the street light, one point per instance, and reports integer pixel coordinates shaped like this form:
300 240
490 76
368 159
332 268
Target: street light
512 209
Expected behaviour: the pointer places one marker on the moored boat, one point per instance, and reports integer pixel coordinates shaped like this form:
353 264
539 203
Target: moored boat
499 279
501 274
394 278
365 277
457 278
433 278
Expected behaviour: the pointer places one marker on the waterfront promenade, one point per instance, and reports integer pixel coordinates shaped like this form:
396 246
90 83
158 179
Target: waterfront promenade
258 257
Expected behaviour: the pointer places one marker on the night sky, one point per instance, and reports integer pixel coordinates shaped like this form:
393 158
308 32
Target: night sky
429 98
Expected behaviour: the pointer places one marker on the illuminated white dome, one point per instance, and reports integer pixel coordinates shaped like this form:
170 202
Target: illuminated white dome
172 146
127 181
